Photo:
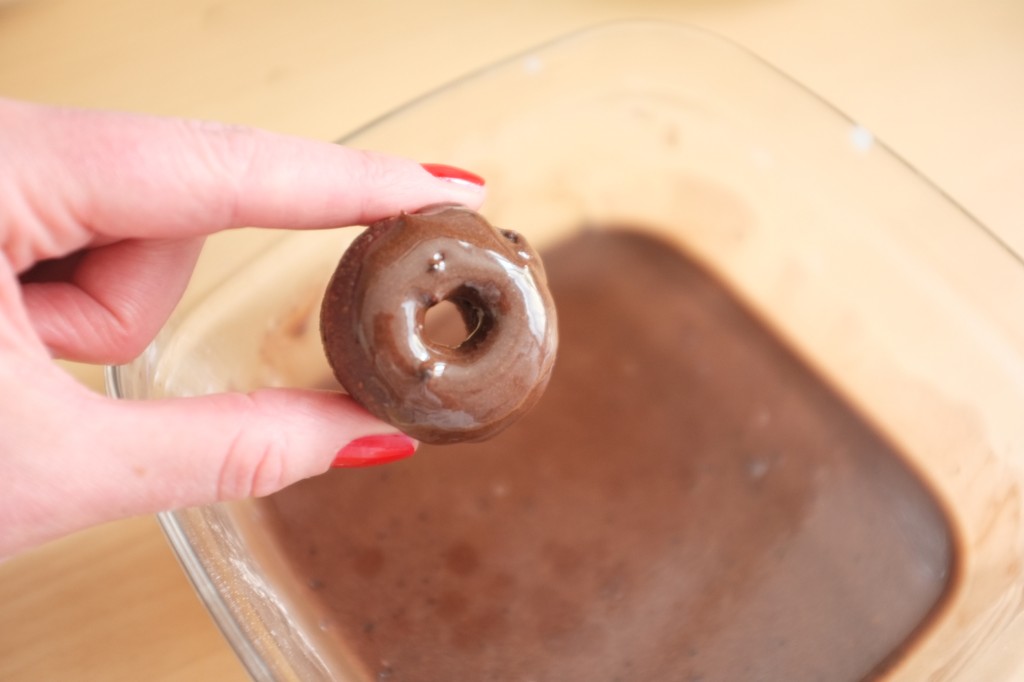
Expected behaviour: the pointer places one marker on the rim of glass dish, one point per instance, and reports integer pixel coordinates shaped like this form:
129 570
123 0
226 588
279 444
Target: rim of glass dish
221 613
706 33
218 608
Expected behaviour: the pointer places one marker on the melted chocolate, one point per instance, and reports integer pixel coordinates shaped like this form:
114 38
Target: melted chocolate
374 312
688 502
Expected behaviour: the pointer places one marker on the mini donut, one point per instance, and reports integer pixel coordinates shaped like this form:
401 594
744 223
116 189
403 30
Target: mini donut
374 309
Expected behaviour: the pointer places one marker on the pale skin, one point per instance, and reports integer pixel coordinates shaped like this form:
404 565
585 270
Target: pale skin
116 206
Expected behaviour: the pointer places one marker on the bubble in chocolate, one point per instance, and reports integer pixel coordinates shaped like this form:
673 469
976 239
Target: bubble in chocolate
464 383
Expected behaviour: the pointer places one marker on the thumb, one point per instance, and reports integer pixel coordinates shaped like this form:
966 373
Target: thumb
187 451
121 458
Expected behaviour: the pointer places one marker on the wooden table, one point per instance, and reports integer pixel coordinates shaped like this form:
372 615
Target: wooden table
942 83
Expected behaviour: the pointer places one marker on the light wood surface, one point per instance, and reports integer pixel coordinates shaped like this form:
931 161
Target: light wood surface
940 82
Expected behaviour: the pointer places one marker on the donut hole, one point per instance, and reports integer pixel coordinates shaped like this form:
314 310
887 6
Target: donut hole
443 325
457 322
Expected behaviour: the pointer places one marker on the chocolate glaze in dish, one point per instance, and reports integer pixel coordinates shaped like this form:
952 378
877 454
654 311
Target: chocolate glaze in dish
374 310
689 501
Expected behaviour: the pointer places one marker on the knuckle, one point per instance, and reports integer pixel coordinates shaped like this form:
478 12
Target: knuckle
267 469
255 463
380 178
126 335
114 330
226 152
380 170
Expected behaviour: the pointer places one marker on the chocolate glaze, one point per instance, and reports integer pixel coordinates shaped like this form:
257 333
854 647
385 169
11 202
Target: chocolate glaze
688 502
374 309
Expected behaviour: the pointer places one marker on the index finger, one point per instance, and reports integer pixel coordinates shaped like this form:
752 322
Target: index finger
126 175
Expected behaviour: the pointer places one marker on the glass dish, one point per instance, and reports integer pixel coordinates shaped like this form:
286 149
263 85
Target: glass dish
907 305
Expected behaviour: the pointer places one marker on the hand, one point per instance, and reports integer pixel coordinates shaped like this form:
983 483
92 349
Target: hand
102 217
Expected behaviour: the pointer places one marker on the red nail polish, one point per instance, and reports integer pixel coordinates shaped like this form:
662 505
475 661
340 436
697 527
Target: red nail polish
458 175
371 450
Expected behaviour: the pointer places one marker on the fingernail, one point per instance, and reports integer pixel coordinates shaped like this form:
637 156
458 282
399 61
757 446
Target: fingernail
453 174
371 450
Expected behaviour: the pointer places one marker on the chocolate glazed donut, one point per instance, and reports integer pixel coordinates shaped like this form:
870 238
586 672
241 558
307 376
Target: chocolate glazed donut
375 306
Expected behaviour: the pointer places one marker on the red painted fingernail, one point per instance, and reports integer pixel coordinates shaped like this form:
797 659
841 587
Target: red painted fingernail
453 174
371 450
